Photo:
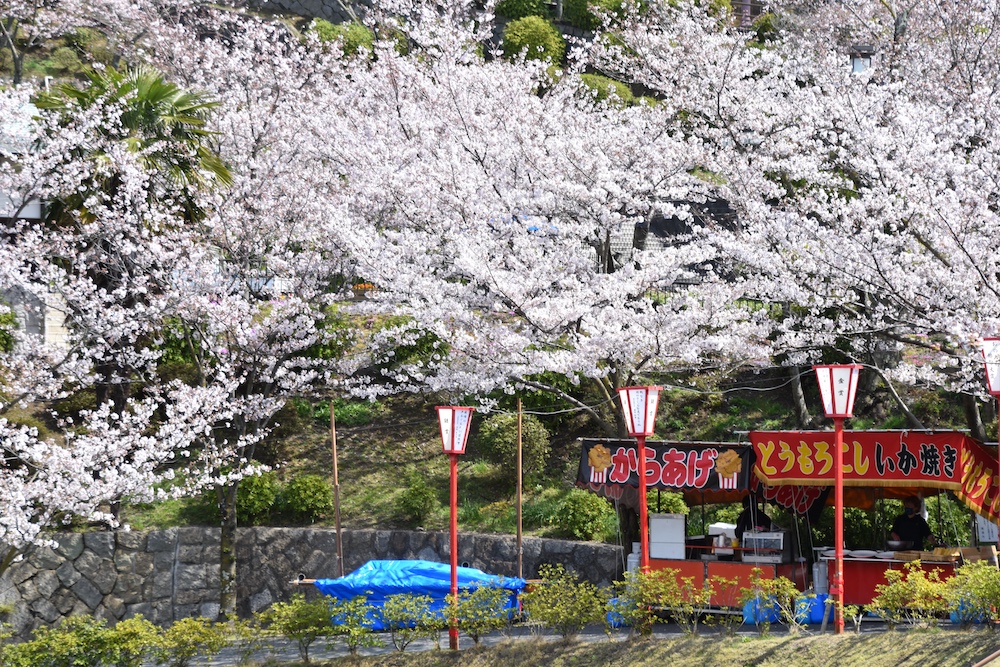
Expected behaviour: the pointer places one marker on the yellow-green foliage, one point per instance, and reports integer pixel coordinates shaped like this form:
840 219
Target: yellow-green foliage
910 595
973 594
608 88
482 610
580 14
353 36
188 639
562 603
642 592
350 622
130 641
78 640
536 37
518 9
407 617
303 621
779 592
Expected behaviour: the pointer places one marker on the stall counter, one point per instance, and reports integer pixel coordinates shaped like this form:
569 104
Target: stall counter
863 575
701 571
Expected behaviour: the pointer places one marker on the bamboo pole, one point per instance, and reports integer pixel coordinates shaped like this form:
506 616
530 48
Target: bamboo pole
336 493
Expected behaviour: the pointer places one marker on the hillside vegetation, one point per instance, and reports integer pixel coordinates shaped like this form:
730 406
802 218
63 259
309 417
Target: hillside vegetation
392 472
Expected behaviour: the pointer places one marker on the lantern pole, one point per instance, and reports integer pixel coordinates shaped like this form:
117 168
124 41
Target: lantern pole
643 509
991 359
838 385
838 525
455 423
453 536
639 410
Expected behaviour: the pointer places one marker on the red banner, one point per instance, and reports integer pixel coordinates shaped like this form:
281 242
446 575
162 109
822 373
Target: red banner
948 460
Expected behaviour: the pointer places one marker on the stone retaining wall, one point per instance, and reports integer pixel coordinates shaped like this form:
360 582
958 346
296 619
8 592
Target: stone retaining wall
171 574
334 11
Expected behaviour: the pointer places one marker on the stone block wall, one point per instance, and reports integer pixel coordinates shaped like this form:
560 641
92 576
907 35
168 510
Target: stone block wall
171 574
334 11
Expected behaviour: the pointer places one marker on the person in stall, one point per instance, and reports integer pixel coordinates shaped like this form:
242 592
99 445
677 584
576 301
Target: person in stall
751 518
911 527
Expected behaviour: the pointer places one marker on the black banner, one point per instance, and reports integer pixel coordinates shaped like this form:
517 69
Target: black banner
669 465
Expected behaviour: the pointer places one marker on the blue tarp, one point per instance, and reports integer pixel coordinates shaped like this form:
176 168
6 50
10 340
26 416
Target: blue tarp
378 579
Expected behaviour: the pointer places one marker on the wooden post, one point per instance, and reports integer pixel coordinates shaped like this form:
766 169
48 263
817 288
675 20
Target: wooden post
336 494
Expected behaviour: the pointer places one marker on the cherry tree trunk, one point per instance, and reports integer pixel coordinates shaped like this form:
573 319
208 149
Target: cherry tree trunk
227 552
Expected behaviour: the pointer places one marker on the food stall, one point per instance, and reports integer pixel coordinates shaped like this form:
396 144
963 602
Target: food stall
709 473
794 470
798 466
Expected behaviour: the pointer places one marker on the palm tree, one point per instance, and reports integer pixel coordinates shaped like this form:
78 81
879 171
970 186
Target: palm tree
162 128
160 123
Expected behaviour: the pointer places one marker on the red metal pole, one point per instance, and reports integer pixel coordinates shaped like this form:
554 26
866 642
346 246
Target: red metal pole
997 481
643 511
453 622
838 526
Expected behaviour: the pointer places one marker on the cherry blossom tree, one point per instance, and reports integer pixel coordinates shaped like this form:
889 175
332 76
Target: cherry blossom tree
486 202
107 254
864 199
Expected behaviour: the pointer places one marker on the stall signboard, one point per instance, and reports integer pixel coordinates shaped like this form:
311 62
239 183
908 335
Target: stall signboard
913 459
669 465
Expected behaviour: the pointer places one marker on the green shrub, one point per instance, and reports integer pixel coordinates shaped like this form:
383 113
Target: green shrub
417 501
563 604
910 595
518 9
307 498
726 591
350 622
255 497
606 87
64 60
72 405
78 640
973 594
130 641
578 12
407 617
482 610
303 621
779 592
535 36
353 36
497 443
584 515
188 639
249 639
641 592
8 325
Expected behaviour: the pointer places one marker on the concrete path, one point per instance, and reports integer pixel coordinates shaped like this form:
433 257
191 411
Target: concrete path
285 651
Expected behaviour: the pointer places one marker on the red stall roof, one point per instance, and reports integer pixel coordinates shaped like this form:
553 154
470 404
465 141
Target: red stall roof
903 461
